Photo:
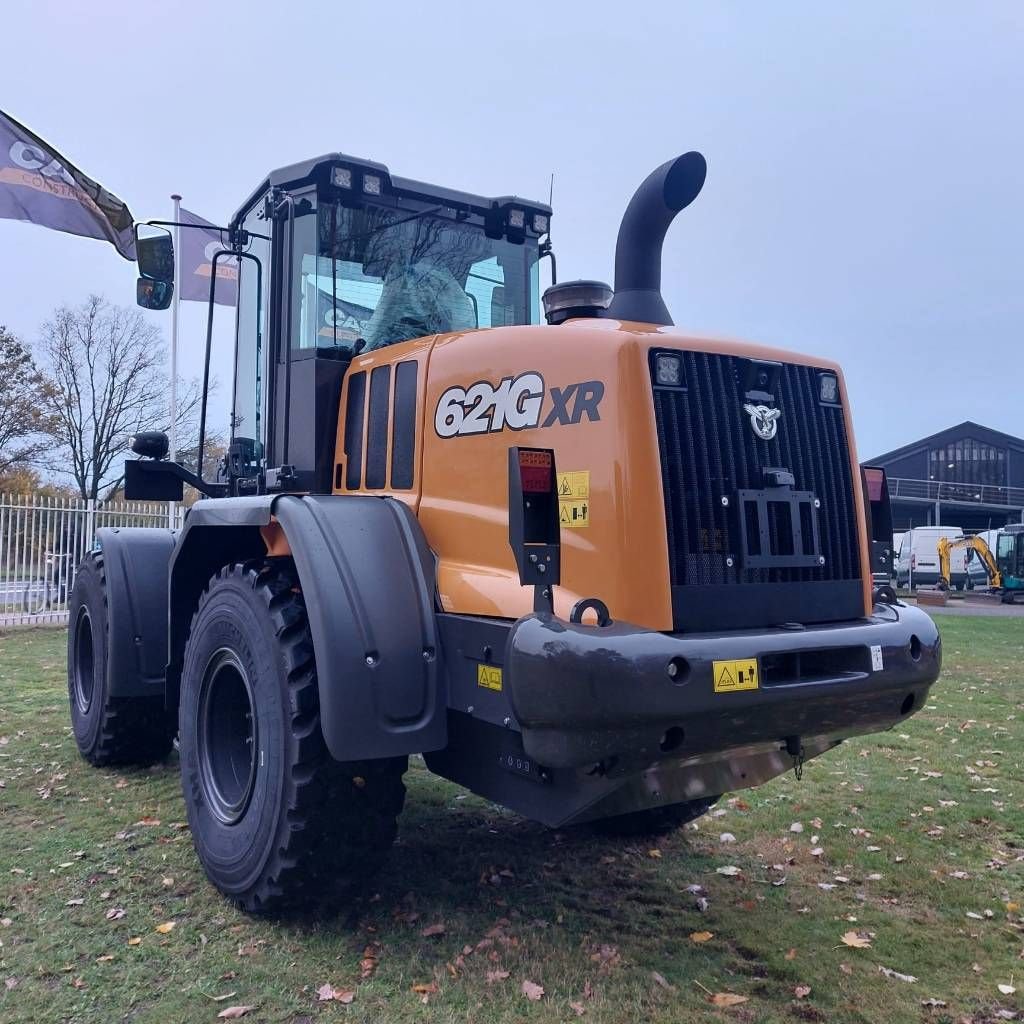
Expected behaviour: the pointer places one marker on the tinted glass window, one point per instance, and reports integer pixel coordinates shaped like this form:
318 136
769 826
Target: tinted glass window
387 275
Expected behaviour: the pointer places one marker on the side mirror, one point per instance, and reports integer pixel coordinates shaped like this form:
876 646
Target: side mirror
155 254
153 294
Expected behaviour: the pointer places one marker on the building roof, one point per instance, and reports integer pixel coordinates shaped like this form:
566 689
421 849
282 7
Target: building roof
966 429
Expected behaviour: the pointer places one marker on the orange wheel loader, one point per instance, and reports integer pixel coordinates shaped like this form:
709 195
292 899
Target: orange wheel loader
593 569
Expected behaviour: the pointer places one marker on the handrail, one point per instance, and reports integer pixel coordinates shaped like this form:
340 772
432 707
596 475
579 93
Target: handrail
951 490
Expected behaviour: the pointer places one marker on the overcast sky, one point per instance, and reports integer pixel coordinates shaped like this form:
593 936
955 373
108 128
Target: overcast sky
865 192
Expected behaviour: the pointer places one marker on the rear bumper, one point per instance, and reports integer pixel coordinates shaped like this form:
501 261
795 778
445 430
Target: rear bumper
586 694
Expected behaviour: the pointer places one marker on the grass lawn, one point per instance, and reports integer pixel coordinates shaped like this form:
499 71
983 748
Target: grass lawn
913 841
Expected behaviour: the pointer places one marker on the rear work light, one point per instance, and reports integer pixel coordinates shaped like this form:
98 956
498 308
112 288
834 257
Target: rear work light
533 530
668 370
878 520
828 388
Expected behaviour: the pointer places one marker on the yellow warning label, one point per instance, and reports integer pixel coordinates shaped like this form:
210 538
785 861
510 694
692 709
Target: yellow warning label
574 498
735 675
489 677
574 484
574 514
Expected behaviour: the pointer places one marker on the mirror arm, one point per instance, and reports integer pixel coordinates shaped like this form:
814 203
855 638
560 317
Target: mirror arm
243 238
211 490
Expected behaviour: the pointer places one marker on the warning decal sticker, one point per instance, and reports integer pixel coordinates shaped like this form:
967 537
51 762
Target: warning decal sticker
730 676
574 498
574 514
489 677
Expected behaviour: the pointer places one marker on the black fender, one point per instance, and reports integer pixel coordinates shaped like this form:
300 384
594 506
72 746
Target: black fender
368 581
136 563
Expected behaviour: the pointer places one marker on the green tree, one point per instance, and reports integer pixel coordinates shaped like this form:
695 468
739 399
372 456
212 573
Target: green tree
25 420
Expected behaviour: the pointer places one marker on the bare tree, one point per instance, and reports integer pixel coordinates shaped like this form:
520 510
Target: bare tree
25 421
105 370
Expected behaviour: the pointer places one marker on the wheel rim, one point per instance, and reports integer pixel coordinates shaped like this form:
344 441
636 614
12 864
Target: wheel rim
227 737
85 662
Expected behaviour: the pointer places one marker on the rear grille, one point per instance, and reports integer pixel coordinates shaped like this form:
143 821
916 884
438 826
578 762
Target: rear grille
709 452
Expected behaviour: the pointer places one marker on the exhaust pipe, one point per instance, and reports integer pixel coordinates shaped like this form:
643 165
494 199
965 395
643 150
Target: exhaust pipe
669 189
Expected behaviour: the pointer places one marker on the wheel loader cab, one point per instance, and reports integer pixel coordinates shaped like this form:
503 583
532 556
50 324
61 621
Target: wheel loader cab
350 259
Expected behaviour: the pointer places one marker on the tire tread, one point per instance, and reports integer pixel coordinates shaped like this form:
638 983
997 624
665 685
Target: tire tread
132 730
337 819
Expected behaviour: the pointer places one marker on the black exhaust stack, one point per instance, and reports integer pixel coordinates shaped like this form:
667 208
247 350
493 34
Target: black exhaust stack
669 189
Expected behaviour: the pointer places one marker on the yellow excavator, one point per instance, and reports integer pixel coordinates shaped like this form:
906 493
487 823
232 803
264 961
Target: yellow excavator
945 546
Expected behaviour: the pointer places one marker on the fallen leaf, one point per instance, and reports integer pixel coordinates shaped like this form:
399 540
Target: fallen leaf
532 991
425 991
791 954
75 903
796 827
134 942
846 968
728 869
654 853
701 936
493 976
727 837
168 926
116 913
150 821
432 930
727 999
660 980
802 991
934 1003
579 1008
325 993
344 995
105 959
234 1012
856 939
1007 990
890 973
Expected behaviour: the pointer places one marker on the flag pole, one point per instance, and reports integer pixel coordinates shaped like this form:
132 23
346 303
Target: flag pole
175 300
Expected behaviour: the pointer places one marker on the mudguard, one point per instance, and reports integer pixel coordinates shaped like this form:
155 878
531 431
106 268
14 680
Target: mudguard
367 577
136 563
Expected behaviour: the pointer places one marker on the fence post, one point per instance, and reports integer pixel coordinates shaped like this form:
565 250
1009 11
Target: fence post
90 522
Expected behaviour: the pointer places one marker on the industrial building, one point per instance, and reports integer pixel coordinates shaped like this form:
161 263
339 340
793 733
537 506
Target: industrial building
968 476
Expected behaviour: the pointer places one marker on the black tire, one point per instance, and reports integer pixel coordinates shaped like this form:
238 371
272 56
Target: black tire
108 730
655 821
277 823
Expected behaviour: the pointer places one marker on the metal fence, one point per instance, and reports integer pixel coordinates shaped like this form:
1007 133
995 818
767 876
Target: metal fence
42 541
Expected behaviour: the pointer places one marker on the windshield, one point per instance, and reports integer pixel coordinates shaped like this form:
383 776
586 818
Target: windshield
386 275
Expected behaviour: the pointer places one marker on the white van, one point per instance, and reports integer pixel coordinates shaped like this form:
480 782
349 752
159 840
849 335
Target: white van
977 574
918 561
